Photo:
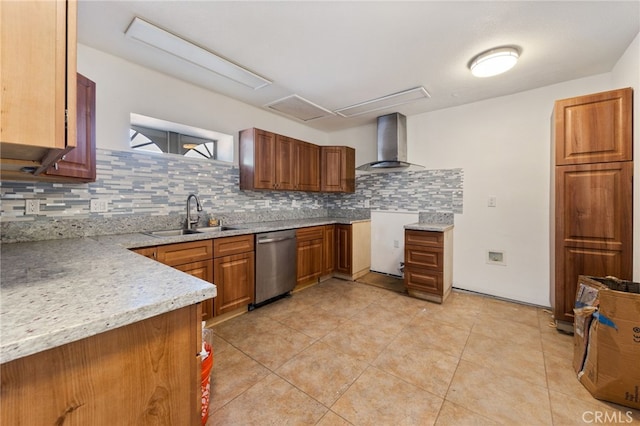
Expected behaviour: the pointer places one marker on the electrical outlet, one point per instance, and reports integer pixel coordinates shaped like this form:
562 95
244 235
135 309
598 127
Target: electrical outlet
496 257
396 244
99 206
267 203
32 207
367 203
492 202
295 204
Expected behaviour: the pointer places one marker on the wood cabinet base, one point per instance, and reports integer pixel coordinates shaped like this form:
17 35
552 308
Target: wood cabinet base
428 260
144 373
428 296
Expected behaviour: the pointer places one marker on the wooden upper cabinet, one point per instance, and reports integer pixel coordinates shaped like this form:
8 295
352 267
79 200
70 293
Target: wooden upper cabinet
286 163
257 163
308 166
338 169
79 164
594 128
277 162
38 83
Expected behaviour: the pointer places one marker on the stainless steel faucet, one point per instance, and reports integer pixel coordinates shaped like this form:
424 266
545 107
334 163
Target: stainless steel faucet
190 221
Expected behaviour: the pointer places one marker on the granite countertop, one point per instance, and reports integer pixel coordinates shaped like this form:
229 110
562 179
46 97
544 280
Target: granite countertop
55 292
137 240
438 227
58 291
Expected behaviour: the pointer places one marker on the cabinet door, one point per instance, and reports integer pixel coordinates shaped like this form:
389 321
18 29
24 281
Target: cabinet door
38 60
343 246
593 227
80 162
337 169
329 251
309 258
308 167
264 166
285 163
234 276
204 271
594 128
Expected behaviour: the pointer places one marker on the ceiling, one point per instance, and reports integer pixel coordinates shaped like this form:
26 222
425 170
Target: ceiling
339 53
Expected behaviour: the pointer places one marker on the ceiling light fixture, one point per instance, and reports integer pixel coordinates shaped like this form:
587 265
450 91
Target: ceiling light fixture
494 61
383 102
153 36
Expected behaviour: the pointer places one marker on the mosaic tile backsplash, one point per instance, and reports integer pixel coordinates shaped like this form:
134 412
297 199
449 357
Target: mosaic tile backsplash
150 191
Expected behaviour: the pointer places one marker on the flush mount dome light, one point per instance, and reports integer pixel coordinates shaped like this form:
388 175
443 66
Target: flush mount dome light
494 61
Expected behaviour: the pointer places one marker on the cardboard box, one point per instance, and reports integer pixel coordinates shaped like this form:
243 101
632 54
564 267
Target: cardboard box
607 348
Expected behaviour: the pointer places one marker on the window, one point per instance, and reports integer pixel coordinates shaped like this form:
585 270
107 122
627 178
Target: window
154 135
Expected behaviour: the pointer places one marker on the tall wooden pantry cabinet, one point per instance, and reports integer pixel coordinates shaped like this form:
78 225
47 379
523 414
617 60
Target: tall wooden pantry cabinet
592 194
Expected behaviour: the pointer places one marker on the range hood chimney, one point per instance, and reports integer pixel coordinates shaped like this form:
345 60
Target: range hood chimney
392 145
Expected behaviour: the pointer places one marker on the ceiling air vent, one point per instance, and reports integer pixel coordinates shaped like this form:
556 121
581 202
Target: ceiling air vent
298 107
384 102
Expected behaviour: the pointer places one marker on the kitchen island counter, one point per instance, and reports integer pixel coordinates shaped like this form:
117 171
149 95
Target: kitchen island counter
59 291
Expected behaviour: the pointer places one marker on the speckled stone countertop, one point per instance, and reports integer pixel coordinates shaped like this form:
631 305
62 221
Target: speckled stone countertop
438 227
55 292
137 240
59 291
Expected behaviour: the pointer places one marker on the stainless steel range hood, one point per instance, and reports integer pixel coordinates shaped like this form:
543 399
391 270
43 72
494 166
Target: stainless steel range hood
392 146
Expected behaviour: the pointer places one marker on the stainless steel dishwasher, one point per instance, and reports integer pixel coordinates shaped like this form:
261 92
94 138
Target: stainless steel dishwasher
275 265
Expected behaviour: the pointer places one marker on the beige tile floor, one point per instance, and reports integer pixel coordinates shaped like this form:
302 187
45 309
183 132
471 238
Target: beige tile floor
345 353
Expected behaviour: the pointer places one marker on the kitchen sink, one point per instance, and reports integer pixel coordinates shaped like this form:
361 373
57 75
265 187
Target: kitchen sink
217 228
172 232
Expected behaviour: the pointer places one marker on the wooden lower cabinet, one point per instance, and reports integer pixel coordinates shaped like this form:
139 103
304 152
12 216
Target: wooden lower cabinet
310 254
593 229
234 277
329 250
145 373
353 250
428 266
344 249
203 270
234 272
193 258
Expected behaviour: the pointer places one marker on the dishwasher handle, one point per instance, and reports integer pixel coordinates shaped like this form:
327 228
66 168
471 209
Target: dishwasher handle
274 240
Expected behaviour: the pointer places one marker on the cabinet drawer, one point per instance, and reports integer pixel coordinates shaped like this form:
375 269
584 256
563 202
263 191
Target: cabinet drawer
181 253
423 257
233 245
424 238
310 234
424 280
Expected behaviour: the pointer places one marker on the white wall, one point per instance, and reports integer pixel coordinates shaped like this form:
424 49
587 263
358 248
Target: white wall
123 87
626 73
503 146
